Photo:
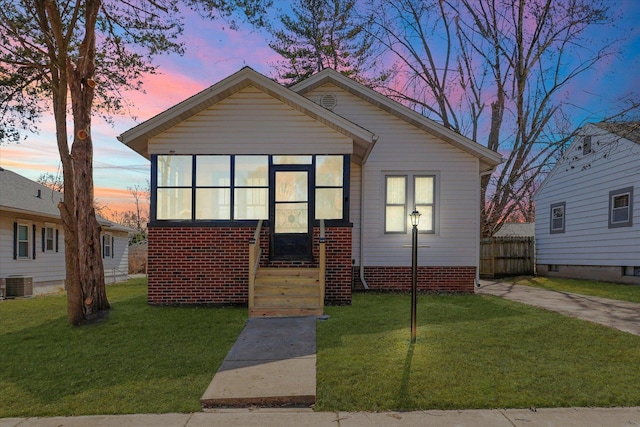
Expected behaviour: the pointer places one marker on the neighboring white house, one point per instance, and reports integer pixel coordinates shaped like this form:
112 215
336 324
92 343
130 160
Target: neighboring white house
326 155
32 238
587 216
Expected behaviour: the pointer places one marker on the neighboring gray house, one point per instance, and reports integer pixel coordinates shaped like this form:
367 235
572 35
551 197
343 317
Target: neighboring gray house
32 238
587 216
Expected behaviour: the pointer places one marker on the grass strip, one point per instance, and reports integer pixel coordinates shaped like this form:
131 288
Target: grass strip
617 291
472 352
139 359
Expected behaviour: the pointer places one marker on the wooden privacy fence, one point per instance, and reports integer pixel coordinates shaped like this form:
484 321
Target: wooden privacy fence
507 256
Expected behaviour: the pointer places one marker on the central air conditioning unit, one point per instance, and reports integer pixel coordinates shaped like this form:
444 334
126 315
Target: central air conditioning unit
19 286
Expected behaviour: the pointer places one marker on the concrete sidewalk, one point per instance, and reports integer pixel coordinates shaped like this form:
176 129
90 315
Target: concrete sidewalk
273 363
621 315
563 417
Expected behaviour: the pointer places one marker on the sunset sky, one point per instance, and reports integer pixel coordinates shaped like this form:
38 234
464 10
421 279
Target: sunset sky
213 53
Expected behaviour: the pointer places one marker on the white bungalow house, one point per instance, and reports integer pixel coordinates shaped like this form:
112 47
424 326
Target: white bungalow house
587 217
32 239
283 198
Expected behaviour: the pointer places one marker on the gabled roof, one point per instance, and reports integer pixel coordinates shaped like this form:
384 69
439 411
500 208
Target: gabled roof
138 137
627 130
24 196
488 158
20 194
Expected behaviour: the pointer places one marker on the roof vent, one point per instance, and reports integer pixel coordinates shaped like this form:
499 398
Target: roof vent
329 101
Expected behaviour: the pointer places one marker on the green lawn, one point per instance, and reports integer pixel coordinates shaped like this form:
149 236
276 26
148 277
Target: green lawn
618 291
472 352
139 359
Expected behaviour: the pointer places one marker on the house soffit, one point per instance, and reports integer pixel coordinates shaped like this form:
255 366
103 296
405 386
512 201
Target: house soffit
137 138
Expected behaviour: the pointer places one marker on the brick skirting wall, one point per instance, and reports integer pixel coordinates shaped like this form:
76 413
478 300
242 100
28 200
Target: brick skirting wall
210 265
430 279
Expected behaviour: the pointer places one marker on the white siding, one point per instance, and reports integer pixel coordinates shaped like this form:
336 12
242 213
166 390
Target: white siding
49 267
116 268
403 147
250 122
46 267
583 182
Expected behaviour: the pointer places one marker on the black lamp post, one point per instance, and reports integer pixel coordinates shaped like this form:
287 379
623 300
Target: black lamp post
415 219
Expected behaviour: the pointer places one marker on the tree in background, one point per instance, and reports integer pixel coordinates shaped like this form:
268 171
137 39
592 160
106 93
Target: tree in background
78 57
51 181
497 72
321 34
138 217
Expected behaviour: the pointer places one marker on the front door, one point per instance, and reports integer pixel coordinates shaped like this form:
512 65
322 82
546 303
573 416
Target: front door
291 213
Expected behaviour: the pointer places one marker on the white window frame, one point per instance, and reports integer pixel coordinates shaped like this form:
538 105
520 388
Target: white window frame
410 180
29 241
48 227
628 222
107 240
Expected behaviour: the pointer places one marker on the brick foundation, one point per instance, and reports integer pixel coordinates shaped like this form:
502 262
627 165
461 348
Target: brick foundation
430 279
210 265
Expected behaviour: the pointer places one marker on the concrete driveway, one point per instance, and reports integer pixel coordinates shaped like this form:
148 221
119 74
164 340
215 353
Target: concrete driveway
621 315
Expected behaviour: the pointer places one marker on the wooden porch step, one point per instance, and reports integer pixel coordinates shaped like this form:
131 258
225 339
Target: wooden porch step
286 292
271 289
284 312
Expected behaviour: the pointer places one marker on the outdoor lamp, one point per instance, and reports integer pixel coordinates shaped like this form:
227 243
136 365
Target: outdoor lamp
415 217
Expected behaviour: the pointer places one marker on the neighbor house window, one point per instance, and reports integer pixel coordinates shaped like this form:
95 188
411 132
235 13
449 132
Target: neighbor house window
49 239
557 218
403 194
329 187
621 208
586 145
107 246
23 241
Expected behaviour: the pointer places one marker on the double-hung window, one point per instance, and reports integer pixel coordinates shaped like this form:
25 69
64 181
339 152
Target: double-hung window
403 194
621 208
49 239
23 241
557 223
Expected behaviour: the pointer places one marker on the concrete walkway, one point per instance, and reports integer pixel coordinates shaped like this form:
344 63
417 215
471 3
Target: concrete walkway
273 363
569 417
621 315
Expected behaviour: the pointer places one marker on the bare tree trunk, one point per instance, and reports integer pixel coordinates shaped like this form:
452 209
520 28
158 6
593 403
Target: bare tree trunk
86 293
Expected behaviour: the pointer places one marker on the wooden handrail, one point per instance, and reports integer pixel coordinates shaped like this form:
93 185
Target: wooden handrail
322 265
254 262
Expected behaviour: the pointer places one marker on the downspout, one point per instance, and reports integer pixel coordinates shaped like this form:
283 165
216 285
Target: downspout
482 174
362 210
362 180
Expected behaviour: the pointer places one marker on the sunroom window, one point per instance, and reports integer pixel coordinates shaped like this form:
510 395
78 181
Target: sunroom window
329 187
174 192
251 192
